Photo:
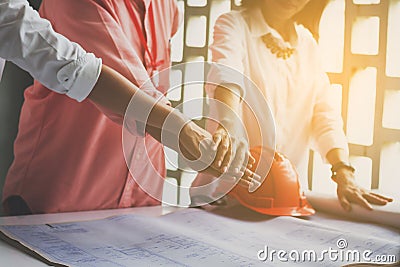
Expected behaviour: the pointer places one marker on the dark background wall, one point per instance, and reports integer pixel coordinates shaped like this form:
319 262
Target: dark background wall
12 86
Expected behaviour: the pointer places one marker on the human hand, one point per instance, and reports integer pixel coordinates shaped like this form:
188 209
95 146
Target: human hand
201 154
232 149
349 192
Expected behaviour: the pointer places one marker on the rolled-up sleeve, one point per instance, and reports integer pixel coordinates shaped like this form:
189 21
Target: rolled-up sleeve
31 43
228 52
327 123
80 76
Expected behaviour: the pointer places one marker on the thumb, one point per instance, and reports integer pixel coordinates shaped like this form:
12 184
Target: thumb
206 157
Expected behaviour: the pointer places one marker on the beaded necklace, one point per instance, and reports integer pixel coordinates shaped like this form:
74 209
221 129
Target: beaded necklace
277 47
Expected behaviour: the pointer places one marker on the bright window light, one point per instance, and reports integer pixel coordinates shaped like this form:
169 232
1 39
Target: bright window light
336 97
363 166
365 36
186 180
177 40
366 2
389 169
193 94
321 181
174 91
331 38
197 3
393 40
238 2
196 31
391 110
170 192
361 108
171 159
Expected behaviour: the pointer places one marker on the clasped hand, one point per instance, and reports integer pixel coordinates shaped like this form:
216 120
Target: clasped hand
223 154
233 157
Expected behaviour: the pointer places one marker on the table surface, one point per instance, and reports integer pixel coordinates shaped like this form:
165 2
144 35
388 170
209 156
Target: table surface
11 256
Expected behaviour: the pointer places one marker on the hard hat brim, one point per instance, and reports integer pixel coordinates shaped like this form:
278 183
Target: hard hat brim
287 211
305 210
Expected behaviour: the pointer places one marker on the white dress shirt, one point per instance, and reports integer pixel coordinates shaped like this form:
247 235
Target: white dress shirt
297 89
31 43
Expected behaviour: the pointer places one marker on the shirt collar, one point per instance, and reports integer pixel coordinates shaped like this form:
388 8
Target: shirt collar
257 25
147 3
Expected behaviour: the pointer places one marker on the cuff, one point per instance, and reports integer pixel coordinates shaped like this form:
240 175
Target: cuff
80 76
220 75
328 142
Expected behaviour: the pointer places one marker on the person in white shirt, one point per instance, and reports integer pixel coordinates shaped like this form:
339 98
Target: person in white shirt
267 43
66 68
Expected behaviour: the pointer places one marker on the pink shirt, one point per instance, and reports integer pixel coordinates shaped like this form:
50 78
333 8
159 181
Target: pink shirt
68 155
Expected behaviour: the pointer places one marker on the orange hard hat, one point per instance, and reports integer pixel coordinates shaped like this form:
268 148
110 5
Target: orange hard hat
280 192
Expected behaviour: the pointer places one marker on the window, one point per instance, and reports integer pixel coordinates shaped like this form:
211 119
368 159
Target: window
364 48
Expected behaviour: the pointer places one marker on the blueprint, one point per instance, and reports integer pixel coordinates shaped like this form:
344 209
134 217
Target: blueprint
194 237
388 214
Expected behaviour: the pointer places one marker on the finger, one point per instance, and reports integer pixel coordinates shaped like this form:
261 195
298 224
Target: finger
223 150
251 160
375 199
244 183
229 178
344 203
217 138
254 186
247 175
253 178
239 158
228 157
360 200
388 199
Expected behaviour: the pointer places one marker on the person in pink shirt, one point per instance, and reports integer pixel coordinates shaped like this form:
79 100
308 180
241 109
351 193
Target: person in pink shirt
69 155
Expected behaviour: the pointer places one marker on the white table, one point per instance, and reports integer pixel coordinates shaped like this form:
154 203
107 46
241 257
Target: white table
11 256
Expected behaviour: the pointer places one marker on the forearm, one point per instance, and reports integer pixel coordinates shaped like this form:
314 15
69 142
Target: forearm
114 93
337 155
230 102
59 64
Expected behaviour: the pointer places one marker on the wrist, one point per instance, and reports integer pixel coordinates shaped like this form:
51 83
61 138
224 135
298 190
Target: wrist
175 122
342 171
